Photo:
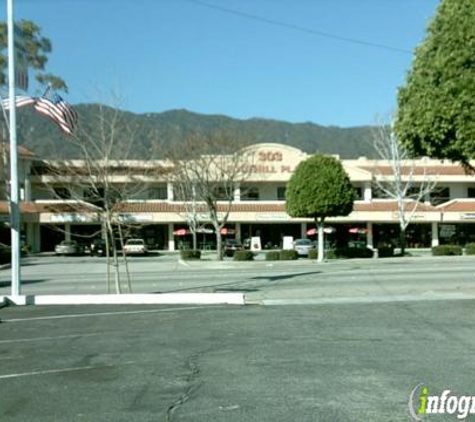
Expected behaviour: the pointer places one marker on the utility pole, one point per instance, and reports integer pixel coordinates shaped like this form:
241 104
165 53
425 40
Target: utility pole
14 189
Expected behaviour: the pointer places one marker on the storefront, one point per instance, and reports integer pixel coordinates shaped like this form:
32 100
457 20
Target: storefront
258 209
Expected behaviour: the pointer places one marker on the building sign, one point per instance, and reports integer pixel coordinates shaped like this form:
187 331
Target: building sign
468 216
135 218
416 216
71 218
270 161
271 217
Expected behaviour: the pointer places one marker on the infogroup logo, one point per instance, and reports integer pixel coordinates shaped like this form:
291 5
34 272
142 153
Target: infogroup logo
422 403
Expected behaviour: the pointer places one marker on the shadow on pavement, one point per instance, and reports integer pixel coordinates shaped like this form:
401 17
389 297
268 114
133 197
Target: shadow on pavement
284 276
9 283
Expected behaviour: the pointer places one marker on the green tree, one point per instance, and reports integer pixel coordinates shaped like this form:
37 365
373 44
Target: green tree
37 50
319 188
436 107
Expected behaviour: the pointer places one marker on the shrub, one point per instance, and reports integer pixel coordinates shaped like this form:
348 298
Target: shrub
385 251
313 254
330 254
446 250
353 253
243 256
188 254
470 249
288 255
272 256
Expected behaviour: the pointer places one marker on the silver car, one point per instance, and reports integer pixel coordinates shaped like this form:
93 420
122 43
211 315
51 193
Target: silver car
69 247
303 246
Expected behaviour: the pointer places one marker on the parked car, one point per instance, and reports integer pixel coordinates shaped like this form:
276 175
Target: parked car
135 247
98 247
69 247
303 246
231 246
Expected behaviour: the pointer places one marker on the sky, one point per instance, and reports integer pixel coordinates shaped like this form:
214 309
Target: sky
330 62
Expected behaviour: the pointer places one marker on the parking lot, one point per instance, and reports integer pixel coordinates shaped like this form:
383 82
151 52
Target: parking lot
254 363
303 350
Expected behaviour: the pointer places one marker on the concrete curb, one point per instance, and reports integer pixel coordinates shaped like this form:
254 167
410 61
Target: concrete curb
129 299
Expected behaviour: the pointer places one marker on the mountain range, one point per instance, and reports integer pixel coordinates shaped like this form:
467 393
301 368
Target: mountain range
156 130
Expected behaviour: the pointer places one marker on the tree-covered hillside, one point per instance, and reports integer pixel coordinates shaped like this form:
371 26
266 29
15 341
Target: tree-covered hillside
156 131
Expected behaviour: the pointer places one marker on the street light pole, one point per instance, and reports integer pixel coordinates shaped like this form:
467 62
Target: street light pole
14 190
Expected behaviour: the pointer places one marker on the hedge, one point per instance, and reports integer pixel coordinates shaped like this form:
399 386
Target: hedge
470 249
385 252
447 250
343 253
288 255
272 256
243 256
188 254
313 254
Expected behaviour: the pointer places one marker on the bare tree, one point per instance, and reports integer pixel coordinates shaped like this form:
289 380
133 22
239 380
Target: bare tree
207 171
102 179
400 183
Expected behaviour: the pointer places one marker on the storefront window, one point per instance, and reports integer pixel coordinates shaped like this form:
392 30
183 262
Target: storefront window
440 195
250 193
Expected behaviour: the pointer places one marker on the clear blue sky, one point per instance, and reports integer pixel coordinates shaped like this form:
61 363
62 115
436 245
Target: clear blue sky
169 54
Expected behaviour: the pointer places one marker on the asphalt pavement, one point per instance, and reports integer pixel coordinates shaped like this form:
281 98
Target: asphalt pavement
339 341
343 363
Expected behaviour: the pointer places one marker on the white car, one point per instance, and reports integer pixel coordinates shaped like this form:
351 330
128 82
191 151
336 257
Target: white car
303 246
135 247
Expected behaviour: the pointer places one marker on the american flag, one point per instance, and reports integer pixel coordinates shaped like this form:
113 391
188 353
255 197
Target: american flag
50 105
58 110
20 101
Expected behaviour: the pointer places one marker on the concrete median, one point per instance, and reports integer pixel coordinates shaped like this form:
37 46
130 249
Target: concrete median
128 299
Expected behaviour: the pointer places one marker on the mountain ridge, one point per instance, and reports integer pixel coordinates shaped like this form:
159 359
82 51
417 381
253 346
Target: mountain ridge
42 137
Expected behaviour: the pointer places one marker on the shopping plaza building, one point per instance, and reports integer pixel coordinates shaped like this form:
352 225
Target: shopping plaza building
51 212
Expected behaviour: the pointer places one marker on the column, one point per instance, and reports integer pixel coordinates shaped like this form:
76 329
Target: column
303 230
435 234
27 189
170 195
238 232
171 237
33 236
369 235
67 230
367 192
237 193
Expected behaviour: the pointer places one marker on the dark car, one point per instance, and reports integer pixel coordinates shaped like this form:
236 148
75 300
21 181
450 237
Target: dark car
5 254
231 246
98 247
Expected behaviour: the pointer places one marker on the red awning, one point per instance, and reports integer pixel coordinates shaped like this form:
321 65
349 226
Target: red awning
181 232
225 230
313 231
358 230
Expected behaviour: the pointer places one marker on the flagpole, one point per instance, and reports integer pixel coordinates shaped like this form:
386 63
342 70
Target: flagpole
14 189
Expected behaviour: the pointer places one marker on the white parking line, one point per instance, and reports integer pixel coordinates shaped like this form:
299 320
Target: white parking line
24 340
62 370
96 314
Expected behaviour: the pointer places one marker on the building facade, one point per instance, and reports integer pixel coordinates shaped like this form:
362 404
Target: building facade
57 206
